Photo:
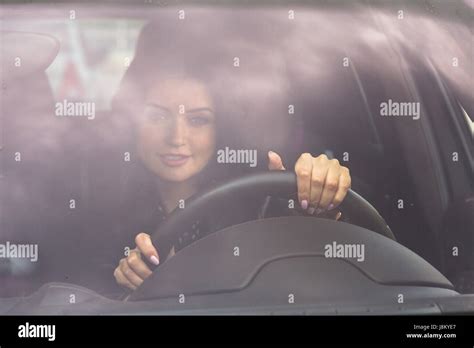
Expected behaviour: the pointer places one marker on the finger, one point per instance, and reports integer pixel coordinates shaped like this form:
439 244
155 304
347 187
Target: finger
344 186
274 161
129 273
122 280
303 169
145 246
331 215
318 176
331 184
136 263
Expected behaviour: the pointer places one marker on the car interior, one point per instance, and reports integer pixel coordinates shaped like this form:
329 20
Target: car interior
402 168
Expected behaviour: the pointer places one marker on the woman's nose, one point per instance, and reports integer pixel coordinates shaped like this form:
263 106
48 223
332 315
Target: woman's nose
177 131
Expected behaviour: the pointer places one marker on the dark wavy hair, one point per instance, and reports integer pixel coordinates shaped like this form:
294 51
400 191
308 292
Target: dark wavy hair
185 54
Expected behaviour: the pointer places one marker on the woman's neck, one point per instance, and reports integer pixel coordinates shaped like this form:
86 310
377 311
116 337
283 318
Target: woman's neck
172 192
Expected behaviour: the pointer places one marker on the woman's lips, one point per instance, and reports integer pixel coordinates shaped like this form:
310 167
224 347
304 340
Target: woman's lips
174 160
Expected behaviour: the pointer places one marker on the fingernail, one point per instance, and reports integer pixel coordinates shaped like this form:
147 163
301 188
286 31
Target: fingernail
304 204
270 152
331 206
154 260
311 210
319 211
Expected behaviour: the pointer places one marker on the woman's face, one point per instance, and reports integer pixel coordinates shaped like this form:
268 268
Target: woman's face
177 133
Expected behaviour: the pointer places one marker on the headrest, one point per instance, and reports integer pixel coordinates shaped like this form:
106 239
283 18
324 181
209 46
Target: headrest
23 53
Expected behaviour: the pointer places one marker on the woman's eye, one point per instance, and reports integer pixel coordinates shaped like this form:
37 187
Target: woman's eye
199 120
156 117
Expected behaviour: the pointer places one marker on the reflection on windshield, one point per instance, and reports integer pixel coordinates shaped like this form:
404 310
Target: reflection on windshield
112 125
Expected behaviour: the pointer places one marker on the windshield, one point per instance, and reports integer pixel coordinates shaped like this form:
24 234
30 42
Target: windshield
114 118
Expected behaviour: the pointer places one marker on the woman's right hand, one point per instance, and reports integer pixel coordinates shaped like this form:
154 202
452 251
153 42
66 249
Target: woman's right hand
132 270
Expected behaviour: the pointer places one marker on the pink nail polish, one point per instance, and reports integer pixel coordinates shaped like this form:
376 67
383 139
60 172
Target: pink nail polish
154 260
304 204
331 206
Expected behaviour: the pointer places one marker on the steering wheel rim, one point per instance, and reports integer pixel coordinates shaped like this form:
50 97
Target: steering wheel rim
272 183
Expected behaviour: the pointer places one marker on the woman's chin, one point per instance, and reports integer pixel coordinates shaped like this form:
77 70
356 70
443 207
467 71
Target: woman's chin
174 174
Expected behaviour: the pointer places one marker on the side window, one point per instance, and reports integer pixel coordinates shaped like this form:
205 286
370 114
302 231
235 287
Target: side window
93 56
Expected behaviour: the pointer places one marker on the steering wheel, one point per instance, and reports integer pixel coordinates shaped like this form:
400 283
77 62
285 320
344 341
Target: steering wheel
273 183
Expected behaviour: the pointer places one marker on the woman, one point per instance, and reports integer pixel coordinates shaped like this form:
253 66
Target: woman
178 131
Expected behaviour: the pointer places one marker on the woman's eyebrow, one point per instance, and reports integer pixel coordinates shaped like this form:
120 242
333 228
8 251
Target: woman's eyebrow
158 106
204 108
200 109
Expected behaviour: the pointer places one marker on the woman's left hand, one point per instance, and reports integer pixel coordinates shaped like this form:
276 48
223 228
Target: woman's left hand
322 183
